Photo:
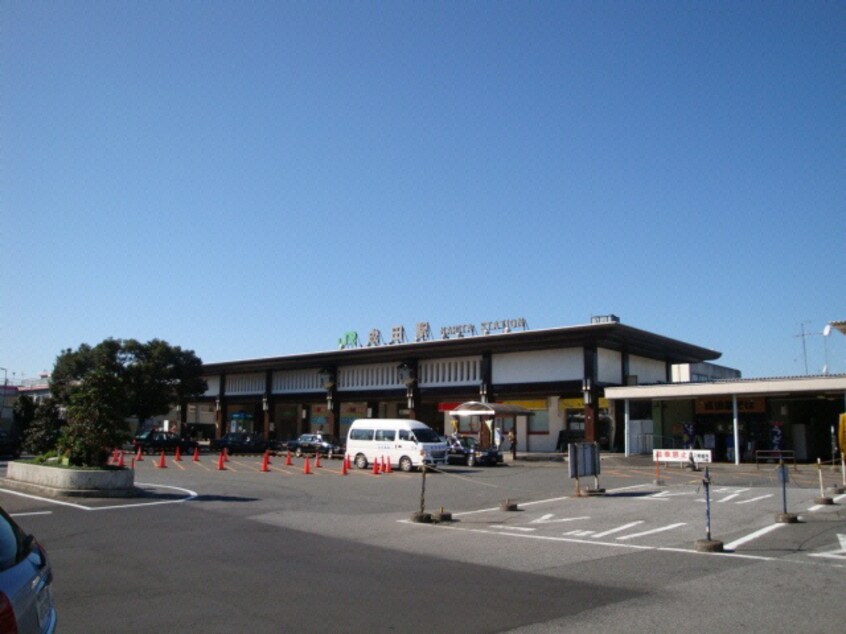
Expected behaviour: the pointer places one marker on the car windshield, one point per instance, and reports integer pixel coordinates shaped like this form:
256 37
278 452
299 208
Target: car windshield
426 434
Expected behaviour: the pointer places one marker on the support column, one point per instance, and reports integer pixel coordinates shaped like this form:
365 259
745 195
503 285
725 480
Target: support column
736 422
588 393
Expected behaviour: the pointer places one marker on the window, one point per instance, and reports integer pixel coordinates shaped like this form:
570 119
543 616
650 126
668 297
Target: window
539 423
385 434
361 434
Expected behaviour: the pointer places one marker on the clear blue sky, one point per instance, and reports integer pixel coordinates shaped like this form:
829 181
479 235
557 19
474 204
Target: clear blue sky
254 179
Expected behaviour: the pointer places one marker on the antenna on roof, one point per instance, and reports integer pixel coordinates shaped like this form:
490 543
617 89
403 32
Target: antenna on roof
804 336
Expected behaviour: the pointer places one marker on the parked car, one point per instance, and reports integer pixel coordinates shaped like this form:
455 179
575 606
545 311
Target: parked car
26 595
10 444
313 443
240 442
154 441
467 451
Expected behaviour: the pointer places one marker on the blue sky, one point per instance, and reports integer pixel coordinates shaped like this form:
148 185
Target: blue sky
255 179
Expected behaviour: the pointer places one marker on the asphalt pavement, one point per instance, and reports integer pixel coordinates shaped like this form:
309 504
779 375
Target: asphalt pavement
247 550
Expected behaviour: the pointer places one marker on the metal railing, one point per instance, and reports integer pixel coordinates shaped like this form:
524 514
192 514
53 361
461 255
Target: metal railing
788 455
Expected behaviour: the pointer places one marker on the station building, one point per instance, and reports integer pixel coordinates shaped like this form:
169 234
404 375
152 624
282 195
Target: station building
559 374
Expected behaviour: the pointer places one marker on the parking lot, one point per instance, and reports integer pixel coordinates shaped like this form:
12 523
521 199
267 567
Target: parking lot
203 541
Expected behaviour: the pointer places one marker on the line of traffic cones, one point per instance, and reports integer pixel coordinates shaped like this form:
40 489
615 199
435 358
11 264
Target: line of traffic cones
221 466
265 462
161 464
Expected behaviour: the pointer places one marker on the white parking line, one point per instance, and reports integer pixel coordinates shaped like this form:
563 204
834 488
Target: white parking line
619 529
190 496
760 497
733 495
748 538
32 513
654 530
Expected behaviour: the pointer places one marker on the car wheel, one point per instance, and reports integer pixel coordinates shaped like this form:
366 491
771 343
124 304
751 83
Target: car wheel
298 452
471 460
405 464
361 461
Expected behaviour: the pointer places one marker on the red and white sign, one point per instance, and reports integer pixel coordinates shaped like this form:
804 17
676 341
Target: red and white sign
681 455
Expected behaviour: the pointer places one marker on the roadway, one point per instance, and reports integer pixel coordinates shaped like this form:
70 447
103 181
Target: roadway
245 550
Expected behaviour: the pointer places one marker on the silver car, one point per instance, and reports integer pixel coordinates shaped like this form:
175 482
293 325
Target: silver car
26 596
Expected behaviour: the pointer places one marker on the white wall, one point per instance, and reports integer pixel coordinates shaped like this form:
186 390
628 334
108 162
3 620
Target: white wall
647 370
538 366
609 366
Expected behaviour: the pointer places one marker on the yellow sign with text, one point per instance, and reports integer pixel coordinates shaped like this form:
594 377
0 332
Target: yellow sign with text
841 433
577 403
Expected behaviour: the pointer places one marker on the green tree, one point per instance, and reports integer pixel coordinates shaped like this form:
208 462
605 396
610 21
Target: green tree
105 384
96 419
160 375
43 432
23 414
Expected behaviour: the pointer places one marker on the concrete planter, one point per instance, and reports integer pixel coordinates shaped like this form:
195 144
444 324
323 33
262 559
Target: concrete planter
58 481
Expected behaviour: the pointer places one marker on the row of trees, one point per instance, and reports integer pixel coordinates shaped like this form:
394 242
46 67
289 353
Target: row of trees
93 390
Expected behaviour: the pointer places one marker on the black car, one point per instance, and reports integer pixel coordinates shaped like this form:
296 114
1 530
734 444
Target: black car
240 442
10 444
466 450
313 443
154 441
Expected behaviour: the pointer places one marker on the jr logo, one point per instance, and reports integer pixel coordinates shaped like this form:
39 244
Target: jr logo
349 340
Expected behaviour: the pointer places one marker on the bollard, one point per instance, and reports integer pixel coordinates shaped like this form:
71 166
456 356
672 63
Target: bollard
658 481
442 516
784 477
823 498
840 489
508 505
708 545
420 516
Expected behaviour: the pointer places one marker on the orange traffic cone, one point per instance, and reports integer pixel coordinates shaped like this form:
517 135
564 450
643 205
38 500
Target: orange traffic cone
384 465
307 467
344 466
196 454
161 463
220 461
264 462
114 456
288 462
388 465
178 456
267 453
376 467
138 457
317 464
120 460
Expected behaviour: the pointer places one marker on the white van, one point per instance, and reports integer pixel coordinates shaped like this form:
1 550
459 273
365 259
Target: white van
404 442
